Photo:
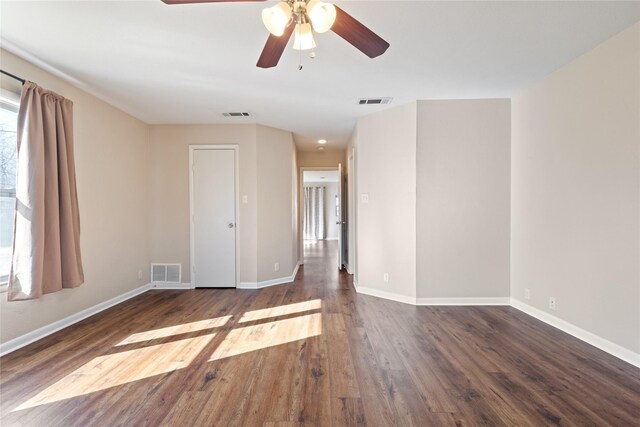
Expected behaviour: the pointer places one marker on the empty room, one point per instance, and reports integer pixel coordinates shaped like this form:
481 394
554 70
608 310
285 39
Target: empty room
316 213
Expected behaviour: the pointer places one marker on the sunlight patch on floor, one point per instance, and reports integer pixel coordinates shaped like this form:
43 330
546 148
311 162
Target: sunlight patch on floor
281 310
175 330
120 368
256 337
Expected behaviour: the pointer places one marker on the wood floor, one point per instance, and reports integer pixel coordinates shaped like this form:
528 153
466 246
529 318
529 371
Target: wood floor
312 353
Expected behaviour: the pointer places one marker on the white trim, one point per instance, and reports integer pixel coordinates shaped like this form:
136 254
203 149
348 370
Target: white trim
236 149
603 344
272 282
158 286
330 238
40 333
586 336
384 294
463 301
349 270
429 301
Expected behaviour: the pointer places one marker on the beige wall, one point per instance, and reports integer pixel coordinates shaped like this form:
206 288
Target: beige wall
320 159
575 199
463 190
386 226
169 204
112 169
276 212
267 220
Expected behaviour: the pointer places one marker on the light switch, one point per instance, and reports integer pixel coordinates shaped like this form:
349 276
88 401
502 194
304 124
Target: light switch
245 199
364 198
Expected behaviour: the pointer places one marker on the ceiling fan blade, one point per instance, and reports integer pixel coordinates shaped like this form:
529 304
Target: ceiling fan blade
274 47
350 29
202 1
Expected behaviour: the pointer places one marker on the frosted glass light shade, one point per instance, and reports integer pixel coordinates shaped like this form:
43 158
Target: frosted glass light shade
322 15
303 37
276 18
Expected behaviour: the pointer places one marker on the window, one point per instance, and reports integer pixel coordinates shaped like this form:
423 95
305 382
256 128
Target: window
8 163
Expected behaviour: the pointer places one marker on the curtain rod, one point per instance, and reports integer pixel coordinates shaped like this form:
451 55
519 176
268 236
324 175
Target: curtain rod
13 76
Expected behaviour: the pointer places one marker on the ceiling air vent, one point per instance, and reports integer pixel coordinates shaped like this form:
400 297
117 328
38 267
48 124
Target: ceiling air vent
165 273
236 114
374 101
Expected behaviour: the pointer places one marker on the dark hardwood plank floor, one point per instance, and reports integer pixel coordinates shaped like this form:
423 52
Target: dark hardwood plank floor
312 353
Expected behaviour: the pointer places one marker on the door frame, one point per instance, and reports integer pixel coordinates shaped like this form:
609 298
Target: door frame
236 149
301 170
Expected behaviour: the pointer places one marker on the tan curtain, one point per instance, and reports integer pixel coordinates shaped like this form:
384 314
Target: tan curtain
46 246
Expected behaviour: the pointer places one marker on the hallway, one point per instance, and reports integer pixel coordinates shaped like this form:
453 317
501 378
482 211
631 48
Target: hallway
321 263
312 353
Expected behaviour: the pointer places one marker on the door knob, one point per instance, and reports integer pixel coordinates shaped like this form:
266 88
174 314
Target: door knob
231 225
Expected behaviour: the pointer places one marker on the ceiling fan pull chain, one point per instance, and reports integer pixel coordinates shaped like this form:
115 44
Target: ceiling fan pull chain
300 51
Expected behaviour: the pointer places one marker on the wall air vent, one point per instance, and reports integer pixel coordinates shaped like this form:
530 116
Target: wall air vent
374 101
166 273
236 114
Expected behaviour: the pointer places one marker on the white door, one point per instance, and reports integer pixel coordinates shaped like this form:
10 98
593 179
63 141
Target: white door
341 220
213 216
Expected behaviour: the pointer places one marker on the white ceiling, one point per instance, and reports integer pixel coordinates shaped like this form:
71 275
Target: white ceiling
189 64
320 176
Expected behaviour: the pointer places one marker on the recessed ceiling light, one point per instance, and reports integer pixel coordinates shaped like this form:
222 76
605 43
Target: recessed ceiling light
322 141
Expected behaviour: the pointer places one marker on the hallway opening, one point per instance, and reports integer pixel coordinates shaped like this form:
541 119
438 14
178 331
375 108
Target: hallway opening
322 216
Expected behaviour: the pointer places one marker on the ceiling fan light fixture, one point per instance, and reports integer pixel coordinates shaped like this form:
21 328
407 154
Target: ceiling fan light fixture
276 18
303 37
322 15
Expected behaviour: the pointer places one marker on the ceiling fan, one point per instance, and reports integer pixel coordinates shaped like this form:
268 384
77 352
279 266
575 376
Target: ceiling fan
302 18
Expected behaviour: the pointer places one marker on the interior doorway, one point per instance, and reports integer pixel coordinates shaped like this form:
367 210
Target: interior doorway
322 213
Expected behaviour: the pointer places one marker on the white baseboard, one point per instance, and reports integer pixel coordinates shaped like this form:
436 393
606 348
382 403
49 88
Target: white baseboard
349 269
40 333
272 282
331 238
463 301
170 286
384 294
429 301
586 336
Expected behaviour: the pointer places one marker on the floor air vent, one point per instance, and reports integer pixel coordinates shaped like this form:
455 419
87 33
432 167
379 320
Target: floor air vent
374 101
166 273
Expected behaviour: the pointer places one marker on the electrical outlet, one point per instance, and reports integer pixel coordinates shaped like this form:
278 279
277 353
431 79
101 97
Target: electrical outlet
139 274
527 293
552 303
385 277
276 266
364 198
